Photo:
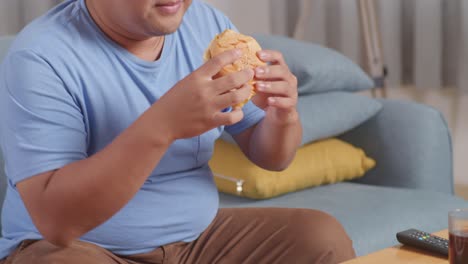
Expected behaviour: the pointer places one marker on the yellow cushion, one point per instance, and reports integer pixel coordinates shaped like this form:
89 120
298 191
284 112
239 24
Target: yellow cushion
322 162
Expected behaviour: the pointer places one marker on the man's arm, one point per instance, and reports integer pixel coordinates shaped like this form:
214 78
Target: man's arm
273 142
270 145
66 203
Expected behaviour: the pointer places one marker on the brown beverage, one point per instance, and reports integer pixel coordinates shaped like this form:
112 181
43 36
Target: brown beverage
458 247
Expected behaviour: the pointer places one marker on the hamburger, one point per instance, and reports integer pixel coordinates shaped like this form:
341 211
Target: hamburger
229 40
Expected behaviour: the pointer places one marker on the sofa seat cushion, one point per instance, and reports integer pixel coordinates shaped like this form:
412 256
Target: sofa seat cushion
372 215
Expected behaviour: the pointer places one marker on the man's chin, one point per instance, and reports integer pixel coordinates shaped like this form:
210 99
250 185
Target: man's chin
164 25
167 29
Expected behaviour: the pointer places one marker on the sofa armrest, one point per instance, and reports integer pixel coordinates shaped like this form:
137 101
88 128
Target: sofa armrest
411 144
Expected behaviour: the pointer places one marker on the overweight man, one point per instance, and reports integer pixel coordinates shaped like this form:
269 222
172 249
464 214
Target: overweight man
108 121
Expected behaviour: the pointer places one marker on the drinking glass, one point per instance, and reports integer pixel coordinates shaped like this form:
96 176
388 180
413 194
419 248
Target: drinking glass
458 236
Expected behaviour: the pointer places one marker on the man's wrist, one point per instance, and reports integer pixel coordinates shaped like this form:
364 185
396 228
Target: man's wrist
158 129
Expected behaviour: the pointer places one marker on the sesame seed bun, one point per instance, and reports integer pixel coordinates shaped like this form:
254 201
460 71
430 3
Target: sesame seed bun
229 40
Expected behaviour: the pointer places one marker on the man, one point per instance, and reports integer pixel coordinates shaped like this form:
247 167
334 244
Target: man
109 116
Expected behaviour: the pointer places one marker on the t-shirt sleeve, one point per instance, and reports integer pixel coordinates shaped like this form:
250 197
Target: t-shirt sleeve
252 115
42 125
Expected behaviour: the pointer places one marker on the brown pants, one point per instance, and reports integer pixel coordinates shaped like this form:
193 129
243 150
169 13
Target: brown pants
247 235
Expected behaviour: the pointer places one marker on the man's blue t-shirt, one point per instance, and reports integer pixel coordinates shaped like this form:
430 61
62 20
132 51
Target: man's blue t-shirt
67 90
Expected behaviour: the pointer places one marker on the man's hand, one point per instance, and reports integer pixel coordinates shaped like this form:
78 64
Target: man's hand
276 88
277 95
195 104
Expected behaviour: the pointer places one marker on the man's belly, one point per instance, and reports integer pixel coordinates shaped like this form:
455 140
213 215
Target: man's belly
167 209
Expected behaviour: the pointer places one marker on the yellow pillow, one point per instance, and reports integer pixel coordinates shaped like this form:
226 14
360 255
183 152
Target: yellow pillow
322 162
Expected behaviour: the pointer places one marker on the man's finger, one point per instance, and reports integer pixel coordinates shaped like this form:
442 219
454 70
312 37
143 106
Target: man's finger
233 80
228 118
282 102
215 64
234 97
281 88
271 56
272 73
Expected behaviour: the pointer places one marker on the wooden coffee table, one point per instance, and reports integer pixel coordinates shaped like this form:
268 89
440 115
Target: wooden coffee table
402 254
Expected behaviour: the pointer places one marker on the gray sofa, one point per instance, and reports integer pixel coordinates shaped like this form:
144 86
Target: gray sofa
411 187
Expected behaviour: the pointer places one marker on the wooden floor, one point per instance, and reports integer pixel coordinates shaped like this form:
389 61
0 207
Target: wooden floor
454 106
461 190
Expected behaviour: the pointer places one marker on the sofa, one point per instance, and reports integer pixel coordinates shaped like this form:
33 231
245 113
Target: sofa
411 186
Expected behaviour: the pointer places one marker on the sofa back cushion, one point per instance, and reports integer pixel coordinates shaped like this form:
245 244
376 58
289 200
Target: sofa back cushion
318 69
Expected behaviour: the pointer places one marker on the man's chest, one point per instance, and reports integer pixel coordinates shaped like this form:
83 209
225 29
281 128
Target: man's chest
111 102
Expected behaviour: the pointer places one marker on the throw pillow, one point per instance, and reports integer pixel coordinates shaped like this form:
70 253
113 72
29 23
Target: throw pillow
317 68
324 162
330 114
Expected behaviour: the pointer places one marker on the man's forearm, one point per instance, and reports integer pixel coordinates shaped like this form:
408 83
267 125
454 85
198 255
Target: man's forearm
84 194
272 145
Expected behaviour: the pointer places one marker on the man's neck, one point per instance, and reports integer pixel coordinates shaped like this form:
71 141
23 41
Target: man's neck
148 49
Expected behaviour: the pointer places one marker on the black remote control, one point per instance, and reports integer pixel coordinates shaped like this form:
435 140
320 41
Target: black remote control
424 240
